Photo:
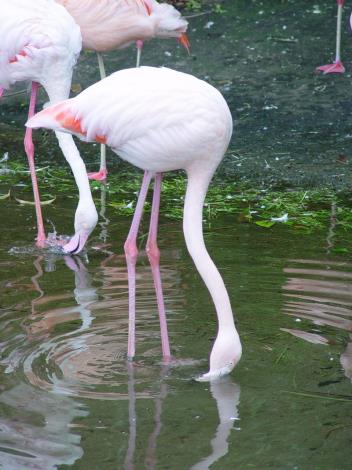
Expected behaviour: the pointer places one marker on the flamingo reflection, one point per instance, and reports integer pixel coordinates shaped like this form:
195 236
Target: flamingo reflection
37 434
227 396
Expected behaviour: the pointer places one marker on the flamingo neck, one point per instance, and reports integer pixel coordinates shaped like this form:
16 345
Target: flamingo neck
193 231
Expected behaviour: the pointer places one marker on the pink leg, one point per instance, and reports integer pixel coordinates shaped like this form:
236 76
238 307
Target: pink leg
131 253
337 65
1 92
154 259
29 148
100 175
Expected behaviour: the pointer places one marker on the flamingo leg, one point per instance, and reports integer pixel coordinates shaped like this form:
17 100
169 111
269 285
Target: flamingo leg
131 253
139 44
29 148
336 66
154 259
1 92
102 173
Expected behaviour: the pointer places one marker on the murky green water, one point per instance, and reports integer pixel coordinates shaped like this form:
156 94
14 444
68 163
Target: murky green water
68 397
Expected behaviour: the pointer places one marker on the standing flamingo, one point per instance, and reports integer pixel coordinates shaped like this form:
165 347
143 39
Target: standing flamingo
108 25
336 66
40 42
161 120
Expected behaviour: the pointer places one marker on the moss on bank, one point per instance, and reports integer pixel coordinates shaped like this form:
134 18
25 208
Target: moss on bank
299 209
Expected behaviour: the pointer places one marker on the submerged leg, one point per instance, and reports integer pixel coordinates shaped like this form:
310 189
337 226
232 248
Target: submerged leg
29 148
154 259
102 173
131 253
139 45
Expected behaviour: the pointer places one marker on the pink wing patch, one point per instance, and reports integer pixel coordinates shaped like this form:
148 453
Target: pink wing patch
73 124
22 53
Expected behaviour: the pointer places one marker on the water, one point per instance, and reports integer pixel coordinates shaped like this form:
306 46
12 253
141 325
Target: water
68 396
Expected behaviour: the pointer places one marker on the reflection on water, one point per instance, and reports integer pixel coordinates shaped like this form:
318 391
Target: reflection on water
89 357
227 397
63 340
36 430
68 351
320 291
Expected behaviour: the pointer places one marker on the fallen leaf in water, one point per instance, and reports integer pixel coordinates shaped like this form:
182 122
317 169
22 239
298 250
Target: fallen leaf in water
5 196
76 88
32 203
342 159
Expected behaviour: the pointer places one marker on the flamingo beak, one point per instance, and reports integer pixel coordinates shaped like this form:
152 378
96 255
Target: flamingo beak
76 244
183 39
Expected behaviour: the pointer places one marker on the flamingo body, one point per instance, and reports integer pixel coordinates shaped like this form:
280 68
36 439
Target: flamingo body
40 42
107 25
160 120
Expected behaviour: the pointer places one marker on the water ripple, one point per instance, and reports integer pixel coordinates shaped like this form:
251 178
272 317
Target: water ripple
321 292
74 343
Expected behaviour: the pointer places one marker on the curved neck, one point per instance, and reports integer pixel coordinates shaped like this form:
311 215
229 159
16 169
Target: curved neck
59 92
77 165
197 186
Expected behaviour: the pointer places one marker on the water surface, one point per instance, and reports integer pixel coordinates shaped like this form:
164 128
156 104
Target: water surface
68 396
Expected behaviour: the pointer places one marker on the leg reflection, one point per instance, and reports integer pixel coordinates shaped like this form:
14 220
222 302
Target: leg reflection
132 419
151 460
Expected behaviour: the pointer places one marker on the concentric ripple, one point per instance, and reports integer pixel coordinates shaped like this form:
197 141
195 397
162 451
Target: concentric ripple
74 342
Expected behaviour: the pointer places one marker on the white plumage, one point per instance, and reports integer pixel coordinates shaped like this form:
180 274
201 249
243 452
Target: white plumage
155 118
113 24
40 42
159 120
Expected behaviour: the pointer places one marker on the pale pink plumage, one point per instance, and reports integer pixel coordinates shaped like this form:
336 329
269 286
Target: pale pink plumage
159 120
40 42
112 24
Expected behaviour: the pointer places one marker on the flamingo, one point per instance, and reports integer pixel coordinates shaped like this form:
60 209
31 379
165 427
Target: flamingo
161 120
40 43
108 25
336 66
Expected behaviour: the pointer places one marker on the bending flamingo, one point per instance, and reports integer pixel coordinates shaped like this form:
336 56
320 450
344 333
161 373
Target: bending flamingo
40 42
161 120
108 25
336 66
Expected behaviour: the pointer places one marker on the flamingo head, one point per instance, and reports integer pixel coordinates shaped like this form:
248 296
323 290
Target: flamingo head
86 219
170 24
225 355
59 117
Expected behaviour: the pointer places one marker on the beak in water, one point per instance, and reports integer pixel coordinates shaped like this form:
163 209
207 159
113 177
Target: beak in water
76 244
183 39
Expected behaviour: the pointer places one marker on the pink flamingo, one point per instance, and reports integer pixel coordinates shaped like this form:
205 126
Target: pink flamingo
161 120
336 66
40 42
108 25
